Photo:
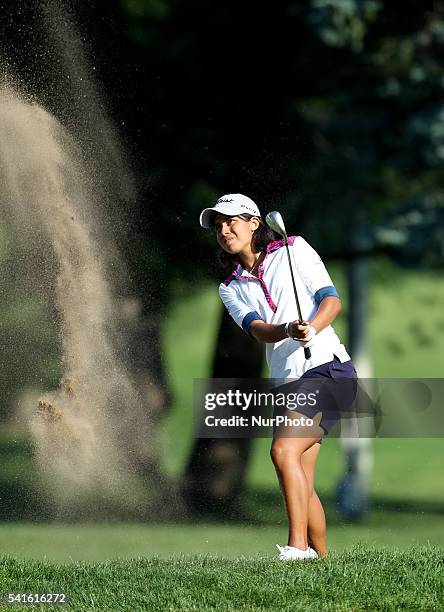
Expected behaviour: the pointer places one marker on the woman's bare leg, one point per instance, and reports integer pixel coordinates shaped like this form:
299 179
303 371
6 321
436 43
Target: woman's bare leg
286 453
286 456
316 527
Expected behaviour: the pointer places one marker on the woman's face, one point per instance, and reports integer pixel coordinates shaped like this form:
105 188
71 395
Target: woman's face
234 233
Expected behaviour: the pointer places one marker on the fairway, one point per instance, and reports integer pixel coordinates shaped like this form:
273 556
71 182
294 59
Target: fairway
361 579
66 543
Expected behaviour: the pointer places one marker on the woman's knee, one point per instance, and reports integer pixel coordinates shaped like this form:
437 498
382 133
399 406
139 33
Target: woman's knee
282 454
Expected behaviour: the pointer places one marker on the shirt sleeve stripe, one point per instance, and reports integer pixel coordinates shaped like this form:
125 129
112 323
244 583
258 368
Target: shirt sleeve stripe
325 292
248 320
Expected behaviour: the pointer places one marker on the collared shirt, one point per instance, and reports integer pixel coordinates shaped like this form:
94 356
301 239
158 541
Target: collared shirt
270 297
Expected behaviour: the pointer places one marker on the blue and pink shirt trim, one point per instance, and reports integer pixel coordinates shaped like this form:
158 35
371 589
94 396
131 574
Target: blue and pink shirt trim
236 274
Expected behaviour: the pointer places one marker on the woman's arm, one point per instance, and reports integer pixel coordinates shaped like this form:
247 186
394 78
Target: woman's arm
327 312
267 332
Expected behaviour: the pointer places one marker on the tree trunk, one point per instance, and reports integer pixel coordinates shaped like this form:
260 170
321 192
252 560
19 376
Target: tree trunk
215 472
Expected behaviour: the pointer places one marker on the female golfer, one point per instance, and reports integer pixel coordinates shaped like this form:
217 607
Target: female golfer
258 294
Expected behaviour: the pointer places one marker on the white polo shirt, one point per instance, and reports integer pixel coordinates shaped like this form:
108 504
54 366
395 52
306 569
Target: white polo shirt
271 298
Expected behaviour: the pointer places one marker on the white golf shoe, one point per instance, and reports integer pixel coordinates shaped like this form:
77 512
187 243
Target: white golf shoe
313 553
290 553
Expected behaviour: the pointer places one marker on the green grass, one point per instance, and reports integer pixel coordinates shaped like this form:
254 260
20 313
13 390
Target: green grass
404 469
98 542
360 579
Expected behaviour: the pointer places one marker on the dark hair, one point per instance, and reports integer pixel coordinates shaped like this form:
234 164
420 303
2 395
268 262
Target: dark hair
262 237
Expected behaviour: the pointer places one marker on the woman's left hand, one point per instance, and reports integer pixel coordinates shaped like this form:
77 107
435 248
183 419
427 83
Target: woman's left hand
302 332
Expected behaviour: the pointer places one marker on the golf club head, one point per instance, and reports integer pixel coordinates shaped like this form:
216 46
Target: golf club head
276 223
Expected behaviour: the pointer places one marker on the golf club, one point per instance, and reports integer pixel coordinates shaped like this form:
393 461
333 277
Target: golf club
276 223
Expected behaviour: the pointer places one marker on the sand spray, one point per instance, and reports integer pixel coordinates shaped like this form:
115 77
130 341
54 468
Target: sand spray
91 432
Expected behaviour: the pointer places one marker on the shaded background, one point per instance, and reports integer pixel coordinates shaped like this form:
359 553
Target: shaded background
331 112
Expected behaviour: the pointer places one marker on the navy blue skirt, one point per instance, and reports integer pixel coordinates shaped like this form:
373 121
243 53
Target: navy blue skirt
329 388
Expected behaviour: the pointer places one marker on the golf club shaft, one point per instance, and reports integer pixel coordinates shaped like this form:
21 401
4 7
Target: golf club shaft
307 351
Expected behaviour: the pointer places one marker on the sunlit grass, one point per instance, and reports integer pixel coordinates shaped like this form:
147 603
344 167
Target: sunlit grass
361 579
